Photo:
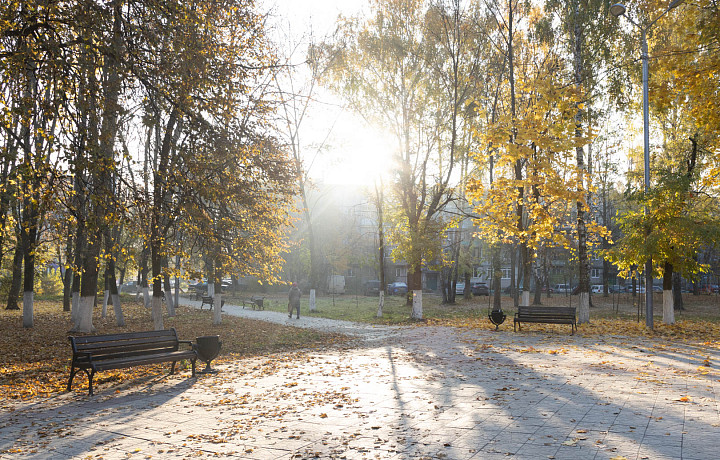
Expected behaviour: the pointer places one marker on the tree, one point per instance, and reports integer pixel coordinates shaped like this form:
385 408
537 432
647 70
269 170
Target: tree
381 67
682 70
528 147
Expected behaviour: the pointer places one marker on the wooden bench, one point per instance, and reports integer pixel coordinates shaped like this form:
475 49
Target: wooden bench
208 299
93 353
548 315
255 301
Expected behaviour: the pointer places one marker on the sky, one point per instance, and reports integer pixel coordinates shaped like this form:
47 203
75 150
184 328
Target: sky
351 151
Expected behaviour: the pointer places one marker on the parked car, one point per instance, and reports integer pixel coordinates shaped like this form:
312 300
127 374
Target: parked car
596 289
562 288
129 286
655 288
459 288
372 288
479 288
199 288
397 288
616 289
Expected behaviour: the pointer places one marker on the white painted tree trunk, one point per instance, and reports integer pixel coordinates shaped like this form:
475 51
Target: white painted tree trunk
381 304
28 308
85 312
170 303
157 313
74 309
211 289
147 299
417 305
668 307
313 306
525 298
106 296
217 309
584 308
119 316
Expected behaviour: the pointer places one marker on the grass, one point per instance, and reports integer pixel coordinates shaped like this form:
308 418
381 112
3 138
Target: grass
615 315
364 309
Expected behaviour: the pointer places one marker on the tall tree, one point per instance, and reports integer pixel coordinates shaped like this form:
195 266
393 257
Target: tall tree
381 67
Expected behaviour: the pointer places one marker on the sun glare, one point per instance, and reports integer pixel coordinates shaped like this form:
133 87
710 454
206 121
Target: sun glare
362 156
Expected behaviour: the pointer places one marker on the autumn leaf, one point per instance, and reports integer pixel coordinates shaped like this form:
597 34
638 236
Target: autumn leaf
36 361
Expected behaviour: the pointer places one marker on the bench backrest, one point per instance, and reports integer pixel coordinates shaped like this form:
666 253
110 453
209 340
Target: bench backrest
128 344
547 311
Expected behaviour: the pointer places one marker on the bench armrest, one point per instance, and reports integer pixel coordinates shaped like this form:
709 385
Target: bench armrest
188 342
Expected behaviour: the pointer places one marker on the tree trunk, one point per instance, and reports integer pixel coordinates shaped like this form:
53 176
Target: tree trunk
159 223
217 296
143 284
379 200
80 249
106 296
414 281
668 307
497 278
583 275
112 236
168 295
16 283
677 292
538 289
156 302
101 173
513 280
68 273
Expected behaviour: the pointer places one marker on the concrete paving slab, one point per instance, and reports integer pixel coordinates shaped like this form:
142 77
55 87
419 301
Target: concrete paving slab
399 393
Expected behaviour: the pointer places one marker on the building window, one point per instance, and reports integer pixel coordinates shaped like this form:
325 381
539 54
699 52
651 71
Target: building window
595 273
399 272
506 273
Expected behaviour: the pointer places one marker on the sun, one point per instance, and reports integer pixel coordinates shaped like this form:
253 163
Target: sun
358 154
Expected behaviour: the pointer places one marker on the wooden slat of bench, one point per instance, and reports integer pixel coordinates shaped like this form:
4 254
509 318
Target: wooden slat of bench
548 315
145 335
120 363
148 342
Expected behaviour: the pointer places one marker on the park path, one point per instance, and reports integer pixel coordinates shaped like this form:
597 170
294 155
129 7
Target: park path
361 330
403 393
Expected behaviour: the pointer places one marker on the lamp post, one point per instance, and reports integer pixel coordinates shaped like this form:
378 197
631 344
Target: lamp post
618 10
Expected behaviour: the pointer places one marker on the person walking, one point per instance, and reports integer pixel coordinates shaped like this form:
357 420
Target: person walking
294 300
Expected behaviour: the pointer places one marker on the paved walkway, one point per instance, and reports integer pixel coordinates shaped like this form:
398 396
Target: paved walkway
405 393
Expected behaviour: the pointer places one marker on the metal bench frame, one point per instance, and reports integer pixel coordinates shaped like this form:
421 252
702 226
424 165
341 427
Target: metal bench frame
94 353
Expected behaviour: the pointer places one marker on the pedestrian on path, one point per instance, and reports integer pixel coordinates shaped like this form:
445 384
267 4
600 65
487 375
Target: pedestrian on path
294 300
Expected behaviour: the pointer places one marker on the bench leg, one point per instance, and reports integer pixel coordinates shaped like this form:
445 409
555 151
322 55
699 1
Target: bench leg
172 369
73 371
193 367
91 375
